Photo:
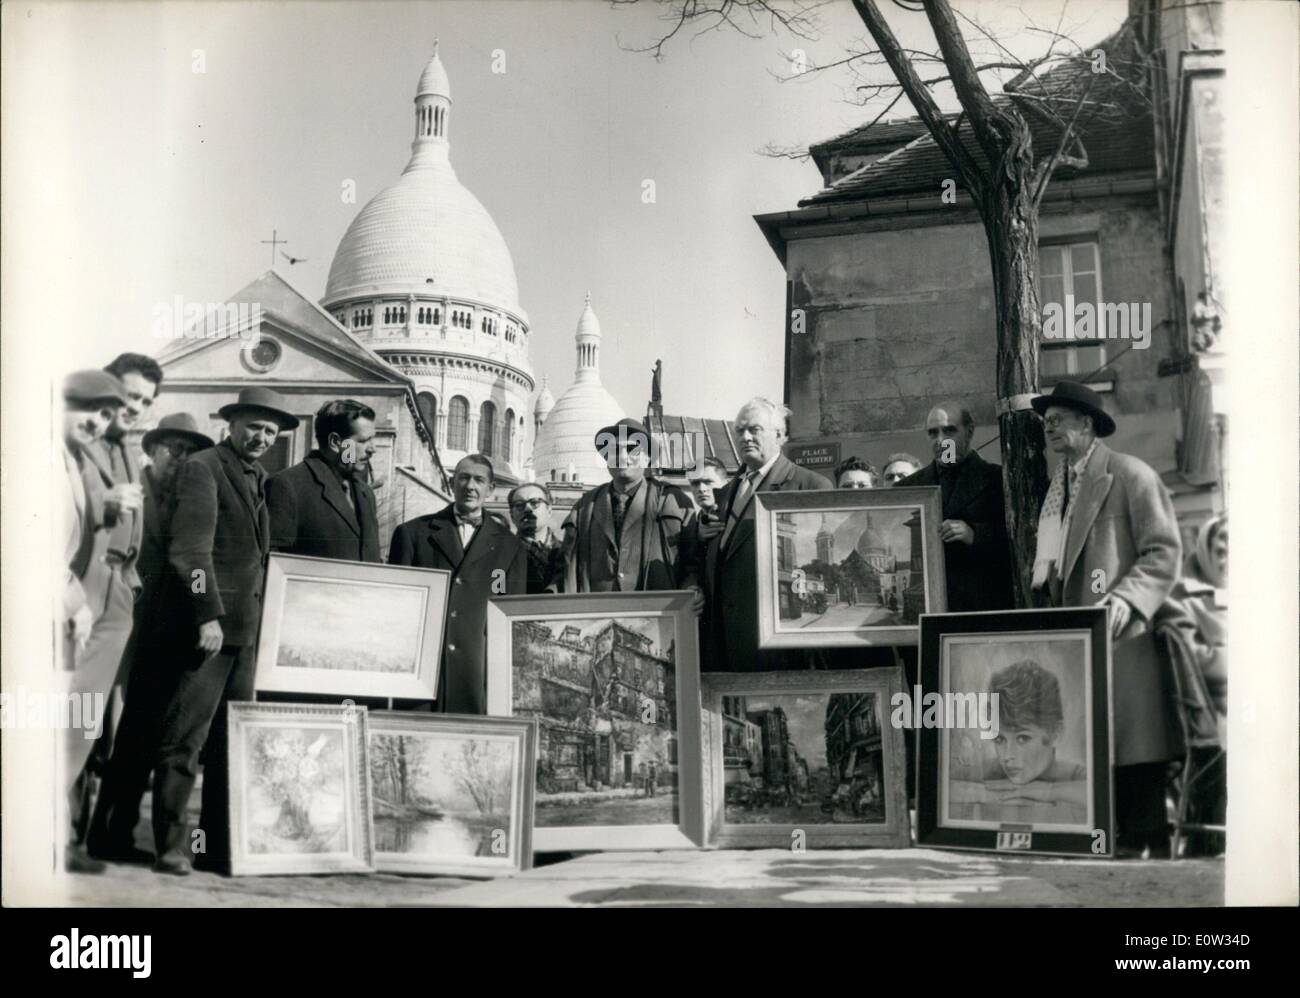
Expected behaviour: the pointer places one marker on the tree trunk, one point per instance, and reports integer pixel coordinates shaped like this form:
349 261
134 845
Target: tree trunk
1011 228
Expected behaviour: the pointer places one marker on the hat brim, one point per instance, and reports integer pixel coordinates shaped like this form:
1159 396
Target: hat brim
1101 419
286 420
162 433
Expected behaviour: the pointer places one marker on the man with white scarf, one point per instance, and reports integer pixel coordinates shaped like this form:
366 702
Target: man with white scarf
1108 536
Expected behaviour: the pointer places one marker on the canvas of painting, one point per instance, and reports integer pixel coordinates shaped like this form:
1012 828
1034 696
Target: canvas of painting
612 680
847 568
351 629
1036 776
805 760
299 800
452 794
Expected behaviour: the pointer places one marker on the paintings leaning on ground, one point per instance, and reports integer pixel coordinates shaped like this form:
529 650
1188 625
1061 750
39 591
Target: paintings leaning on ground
847 567
299 799
616 759
1032 771
451 794
808 755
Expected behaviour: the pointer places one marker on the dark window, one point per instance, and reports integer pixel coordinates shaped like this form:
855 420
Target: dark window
457 418
487 429
428 409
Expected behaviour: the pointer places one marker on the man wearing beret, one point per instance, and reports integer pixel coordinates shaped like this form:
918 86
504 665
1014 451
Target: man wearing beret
625 535
149 663
485 560
91 403
1107 536
220 538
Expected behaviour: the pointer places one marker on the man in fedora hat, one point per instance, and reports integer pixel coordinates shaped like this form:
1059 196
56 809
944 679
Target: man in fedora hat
625 535
220 535
149 663
323 506
91 402
1108 536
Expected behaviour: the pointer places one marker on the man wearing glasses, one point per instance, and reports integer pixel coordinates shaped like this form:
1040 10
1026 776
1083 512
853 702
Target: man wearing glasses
626 535
530 510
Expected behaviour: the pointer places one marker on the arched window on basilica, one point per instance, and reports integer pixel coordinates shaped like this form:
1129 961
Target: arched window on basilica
487 429
457 421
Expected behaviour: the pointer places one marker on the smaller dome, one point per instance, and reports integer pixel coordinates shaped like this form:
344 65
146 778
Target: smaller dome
433 81
588 324
545 401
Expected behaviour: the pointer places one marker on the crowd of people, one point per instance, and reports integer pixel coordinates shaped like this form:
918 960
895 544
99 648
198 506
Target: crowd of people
165 562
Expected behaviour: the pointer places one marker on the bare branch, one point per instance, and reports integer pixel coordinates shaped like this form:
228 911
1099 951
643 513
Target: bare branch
1043 171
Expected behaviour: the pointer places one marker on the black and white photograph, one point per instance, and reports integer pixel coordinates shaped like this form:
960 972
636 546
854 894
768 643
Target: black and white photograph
650 453
848 568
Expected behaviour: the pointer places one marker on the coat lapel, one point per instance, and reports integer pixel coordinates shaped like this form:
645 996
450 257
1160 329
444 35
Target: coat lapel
444 535
98 456
775 480
235 473
332 492
485 540
970 483
1094 486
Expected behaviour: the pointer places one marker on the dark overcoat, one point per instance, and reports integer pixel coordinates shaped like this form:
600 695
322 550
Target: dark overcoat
730 641
433 541
978 574
312 515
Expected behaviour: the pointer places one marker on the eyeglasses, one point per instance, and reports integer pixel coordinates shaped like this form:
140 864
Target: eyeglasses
519 505
1052 422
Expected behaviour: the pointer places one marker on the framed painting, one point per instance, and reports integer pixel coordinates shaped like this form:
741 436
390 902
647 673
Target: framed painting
612 680
805 760
299 789
452 794
847 567
1034 774
351 629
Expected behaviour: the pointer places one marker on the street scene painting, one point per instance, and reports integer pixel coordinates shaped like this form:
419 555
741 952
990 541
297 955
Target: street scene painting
847 567
1035 773
351 629
448 794
803 759
297 789
603 691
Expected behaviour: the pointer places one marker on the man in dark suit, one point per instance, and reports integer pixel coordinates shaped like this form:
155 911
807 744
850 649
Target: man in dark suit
976 552
730 637
150 659
323 506
220 538
626 535
485 560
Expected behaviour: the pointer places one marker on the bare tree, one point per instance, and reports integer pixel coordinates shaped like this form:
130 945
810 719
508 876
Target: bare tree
991 149
480 772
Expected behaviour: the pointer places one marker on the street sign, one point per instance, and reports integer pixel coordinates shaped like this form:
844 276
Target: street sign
814 456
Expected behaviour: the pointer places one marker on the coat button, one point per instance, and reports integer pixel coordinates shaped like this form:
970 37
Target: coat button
460 581
453 613
451 647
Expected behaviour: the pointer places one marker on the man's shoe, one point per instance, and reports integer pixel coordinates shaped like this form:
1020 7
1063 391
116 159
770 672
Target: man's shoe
173 862
75 861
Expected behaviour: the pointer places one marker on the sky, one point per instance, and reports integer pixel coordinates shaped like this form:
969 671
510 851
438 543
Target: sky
133 177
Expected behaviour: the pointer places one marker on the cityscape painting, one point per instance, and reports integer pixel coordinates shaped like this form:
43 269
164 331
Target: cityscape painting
614 693
812 756
451 794
849 567
351 629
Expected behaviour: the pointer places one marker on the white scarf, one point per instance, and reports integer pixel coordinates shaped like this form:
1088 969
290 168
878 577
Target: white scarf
1052 526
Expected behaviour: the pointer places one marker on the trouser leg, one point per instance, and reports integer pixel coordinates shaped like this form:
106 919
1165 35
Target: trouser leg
1140 814
185 728
214 819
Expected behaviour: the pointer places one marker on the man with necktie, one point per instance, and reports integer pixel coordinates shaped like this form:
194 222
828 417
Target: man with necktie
220 539
530 509
485 560
626 535
323 507
730 633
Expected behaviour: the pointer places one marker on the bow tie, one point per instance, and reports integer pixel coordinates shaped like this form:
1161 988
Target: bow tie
473 521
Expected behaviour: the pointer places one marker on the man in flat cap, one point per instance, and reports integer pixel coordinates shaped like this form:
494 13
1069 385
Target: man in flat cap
149 663
323 507
1108 536
485 560
91 402
624 536
220 538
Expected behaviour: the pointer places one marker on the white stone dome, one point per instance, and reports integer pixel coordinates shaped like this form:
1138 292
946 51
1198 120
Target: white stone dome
545 401
565 449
